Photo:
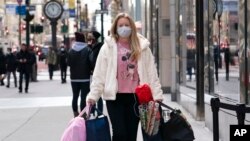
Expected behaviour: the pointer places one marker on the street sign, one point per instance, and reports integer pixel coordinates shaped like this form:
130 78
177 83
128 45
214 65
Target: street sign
32 9
10 9
101 12
72 13
21 10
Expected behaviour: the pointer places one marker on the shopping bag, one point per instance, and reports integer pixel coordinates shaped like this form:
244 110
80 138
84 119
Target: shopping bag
97 129
150 117
76 130
177 128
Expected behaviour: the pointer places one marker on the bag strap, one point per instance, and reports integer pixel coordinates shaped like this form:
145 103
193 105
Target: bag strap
86 110
166 106
97 110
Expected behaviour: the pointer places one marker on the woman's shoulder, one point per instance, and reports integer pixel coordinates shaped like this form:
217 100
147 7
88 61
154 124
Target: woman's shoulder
144 42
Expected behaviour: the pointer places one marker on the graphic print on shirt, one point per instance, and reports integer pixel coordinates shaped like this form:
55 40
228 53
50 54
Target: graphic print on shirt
129 66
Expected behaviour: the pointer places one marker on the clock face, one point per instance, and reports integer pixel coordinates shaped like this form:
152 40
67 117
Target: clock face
53 9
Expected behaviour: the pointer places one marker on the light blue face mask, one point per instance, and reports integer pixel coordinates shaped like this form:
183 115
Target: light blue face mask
124 31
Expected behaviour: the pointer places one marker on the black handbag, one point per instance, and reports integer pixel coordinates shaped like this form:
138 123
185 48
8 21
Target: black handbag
97 129
177 127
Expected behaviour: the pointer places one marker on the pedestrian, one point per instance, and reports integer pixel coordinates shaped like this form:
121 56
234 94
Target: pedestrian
190 61
226 48
80 70
11 65
95 47
63 63
2 67
124 62
33 73
51 61
216 51
25 62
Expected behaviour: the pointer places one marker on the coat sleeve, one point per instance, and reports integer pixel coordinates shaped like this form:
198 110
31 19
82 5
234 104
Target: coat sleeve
99 74
154 81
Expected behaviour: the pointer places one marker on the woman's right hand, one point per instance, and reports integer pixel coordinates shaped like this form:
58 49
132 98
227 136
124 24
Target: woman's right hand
91 101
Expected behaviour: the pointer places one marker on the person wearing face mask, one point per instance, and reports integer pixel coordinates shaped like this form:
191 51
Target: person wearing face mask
95 47
63 64
124 62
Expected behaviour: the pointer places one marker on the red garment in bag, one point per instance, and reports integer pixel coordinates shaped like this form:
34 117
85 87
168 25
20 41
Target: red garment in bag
143 93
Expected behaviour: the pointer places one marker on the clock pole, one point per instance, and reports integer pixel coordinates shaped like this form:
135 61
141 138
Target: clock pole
53 29
53 16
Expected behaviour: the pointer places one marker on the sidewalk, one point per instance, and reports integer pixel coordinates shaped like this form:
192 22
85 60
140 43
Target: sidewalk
43 113
226 89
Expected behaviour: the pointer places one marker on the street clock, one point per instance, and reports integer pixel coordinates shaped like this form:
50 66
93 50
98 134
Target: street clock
53 10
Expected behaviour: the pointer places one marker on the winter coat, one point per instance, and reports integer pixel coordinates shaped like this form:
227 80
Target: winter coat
11 62
190 58
104 79
63 59
51 58
25 66
95 51
2 63
79 62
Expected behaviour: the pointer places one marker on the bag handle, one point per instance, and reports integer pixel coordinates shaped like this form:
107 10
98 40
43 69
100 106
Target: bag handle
85 112
166 106
97 110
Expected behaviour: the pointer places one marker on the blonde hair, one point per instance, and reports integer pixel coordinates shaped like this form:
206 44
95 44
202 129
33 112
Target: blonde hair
133 38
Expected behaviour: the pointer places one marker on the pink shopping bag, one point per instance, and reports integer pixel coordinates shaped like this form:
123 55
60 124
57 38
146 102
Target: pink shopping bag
76 130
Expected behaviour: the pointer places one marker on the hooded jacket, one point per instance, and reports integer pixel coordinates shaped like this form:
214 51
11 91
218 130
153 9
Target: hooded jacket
104 79
79 63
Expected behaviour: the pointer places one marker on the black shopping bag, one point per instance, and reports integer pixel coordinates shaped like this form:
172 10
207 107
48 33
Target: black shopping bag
177 127
97 129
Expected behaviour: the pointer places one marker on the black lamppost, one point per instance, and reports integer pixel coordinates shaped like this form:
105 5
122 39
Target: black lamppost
246 51
200 59
102 21
28 18
78 17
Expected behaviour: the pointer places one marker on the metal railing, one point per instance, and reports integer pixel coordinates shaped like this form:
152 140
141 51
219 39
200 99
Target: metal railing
240 110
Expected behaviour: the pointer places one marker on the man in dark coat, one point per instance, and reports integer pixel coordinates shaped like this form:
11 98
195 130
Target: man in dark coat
63 63
95 46
2 67
11 65
80 69
25 62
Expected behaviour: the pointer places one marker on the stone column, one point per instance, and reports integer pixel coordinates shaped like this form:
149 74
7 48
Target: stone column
208 44
166 45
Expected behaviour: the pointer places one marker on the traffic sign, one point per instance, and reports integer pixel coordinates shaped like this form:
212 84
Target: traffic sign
21 10
101 12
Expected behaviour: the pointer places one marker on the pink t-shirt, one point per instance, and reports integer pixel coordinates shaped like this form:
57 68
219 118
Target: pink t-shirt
127 74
